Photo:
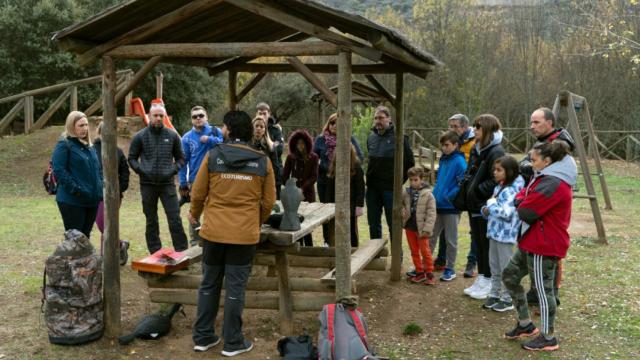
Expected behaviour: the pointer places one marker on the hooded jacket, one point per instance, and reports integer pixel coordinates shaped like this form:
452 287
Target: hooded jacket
560 134
504 223
425 209
195 151
123 167
77 169
235 189
156 155
450 171
480 171
304 170
467 142
381 149
544 207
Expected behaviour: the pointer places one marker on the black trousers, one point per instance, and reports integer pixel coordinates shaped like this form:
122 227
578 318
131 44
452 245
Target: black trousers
78 217
479 236
169 198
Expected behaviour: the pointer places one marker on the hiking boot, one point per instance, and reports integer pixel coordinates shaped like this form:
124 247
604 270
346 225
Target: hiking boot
469 270
124 252
205 347
430 280
522 331
490 302
419 278
503 306
238 349
483 289
448 275
473 287
411 273
540 343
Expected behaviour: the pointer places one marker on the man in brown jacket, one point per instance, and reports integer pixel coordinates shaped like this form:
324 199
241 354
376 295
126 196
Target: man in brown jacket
235 190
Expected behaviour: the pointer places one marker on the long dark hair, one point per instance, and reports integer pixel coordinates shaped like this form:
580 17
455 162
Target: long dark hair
489 124
510 166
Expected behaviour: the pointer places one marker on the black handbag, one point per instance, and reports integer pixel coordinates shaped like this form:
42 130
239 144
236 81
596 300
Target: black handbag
460 200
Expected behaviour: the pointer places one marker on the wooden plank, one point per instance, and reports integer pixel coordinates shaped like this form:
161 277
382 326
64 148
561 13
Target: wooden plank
315 214
261 283
73 99
362 257
596 154
159 85
396 230
44 118
250 85
378 85
313 251
222 50
253 300
270 11
111 235
146 30
316 68
28 113
314 80
285 303
97 105
380 41
315 262
7 119
131 82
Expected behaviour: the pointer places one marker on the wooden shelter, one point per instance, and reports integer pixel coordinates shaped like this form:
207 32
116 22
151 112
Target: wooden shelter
232 35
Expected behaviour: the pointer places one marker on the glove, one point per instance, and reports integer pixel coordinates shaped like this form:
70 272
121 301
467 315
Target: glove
184 191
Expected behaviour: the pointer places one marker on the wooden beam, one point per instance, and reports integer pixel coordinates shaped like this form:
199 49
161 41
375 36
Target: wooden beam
148 29
596 153
361 258
233 91
343 178
254 284
132 82
111 201
379 264
259 300
8 119
380 41
159 85
73 99
315 251
285 303
28 113
316 68
44 118
97 105
270 11
315 81
396 228
378 85
250 85
222 50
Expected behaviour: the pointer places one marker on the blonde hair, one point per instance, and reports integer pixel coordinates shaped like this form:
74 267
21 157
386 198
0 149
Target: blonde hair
70 126
266 140
332 118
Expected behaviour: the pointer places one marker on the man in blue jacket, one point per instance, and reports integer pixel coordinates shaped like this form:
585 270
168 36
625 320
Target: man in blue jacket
195 145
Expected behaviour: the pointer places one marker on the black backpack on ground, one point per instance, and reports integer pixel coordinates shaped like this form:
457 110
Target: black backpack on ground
297 348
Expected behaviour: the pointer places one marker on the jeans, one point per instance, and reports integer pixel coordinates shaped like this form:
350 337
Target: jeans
169 198
377 200
78 217
233 263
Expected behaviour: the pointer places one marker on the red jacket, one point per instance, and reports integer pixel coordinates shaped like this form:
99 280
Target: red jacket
545 209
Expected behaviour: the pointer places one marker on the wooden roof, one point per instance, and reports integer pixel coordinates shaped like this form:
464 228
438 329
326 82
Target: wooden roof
361 92
143 22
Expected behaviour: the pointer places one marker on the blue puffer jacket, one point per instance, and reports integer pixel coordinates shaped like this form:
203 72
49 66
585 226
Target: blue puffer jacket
194 151
78 173
450 171
504 223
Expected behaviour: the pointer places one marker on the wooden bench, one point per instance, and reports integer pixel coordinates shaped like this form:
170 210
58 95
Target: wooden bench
360 258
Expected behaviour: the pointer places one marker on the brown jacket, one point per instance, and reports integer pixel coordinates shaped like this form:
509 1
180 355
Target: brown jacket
425 211
235 189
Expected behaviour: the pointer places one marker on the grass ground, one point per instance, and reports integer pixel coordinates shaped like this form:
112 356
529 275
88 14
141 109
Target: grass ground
599 317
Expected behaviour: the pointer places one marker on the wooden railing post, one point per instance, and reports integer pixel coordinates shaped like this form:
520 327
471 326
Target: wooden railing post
73 102
128 97
159 84
28 113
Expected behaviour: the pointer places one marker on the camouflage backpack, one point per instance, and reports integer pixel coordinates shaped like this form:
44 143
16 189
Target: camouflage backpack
72 292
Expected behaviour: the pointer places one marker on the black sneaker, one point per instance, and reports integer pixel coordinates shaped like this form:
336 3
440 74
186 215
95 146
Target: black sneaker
503 306
238 349
205 347
540 343
522 331
469 270
490 302
124 252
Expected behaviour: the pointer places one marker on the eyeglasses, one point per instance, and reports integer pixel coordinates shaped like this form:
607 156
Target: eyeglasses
477 126
198 116
332 123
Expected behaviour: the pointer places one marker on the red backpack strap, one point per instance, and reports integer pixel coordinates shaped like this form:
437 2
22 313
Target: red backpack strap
331 309
359 327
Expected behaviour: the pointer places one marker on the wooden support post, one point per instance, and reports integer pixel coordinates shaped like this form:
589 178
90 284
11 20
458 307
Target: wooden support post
159 81
97 105
378 85
284 287
128 96
596 157
629 149
28 113
233 91
73 99
343 178
253 67
250 85
111 200
315 81
396 228
7 119
44 118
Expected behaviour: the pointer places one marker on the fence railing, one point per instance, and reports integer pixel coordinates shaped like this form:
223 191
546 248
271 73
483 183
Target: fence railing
25 101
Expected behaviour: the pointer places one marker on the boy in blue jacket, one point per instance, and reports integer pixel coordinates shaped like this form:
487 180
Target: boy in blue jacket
195 145
452 166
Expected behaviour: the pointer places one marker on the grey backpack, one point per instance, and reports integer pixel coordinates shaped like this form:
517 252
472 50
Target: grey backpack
343 334
72 292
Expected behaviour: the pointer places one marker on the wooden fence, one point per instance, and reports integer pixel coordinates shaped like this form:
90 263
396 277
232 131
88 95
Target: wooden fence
24 101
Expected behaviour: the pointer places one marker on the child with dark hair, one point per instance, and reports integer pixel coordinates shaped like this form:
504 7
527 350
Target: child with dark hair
502 228
418 217
544 207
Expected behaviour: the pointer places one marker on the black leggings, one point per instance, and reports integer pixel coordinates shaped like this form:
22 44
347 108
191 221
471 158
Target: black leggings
479 235
78 217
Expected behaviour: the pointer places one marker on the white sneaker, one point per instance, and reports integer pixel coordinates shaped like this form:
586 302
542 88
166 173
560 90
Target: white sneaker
483 289
473 286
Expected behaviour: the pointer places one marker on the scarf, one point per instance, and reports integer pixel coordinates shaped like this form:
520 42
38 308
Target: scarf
330 141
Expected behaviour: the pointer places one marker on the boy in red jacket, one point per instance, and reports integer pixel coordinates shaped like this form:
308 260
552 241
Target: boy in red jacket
544 207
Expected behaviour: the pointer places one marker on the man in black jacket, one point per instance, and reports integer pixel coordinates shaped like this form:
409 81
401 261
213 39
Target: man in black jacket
275 134
381 149
156 156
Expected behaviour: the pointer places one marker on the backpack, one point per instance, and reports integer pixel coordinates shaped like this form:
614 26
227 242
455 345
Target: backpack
72 292
343 334
297 348
49 180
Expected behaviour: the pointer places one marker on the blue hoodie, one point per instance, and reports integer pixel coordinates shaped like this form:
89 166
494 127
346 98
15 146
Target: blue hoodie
504 222
194 151
451 169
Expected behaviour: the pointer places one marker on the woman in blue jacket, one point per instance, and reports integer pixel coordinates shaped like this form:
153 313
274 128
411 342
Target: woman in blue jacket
78 172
